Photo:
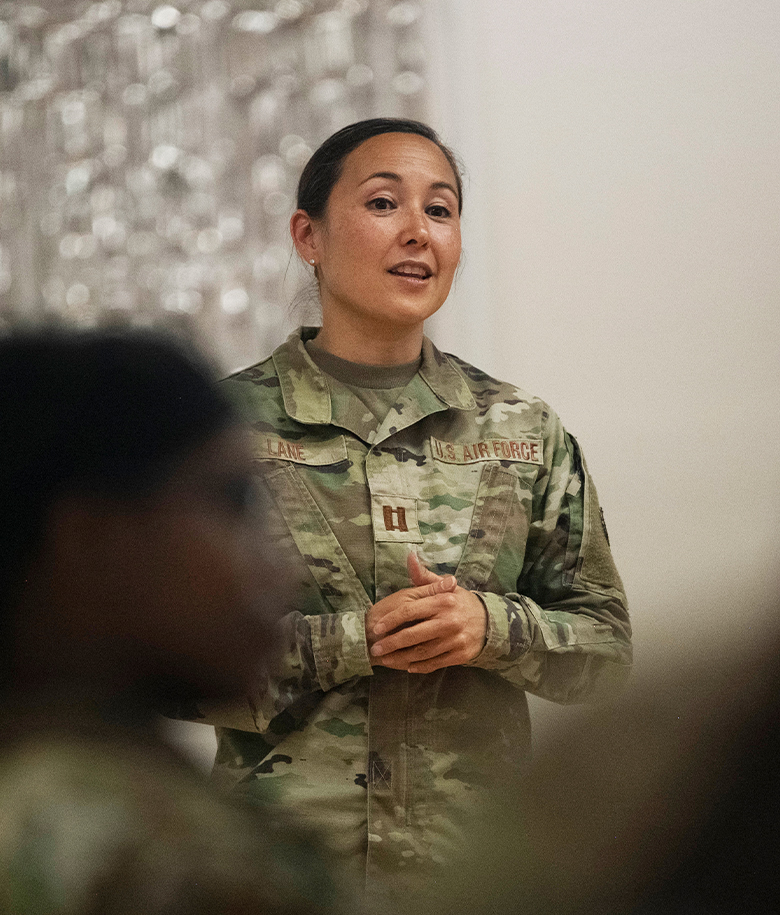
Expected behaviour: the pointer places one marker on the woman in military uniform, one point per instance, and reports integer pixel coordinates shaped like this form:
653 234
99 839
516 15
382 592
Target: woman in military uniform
446 530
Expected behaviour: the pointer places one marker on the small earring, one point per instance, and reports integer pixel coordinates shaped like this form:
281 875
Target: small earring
312 262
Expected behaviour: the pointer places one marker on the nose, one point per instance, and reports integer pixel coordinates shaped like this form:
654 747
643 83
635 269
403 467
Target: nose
415 228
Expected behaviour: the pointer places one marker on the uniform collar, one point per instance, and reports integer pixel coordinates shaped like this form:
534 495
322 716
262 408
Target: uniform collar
445 379
305 388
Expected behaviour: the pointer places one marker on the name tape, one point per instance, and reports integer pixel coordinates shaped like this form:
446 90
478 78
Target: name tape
522 450
272 447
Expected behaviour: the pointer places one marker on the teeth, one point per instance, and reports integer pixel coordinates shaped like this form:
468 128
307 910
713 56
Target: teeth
411 271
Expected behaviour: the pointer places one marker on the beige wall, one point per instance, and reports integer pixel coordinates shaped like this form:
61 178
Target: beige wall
623 262
623 240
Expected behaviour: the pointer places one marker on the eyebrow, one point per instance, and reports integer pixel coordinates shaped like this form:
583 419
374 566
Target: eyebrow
392 176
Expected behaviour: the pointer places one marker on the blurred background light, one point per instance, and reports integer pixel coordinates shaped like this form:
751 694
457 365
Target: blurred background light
149 153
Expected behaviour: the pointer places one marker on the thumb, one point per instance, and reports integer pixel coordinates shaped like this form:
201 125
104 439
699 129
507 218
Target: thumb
418 574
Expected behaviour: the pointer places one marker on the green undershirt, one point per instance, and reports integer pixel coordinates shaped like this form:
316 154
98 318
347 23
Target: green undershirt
377 387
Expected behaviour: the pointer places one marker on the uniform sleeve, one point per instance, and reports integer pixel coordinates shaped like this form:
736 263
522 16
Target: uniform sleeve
564 634
320 653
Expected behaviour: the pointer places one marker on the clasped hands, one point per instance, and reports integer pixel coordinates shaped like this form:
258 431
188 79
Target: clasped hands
431 625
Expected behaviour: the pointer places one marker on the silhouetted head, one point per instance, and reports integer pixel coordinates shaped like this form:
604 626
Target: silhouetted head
128 525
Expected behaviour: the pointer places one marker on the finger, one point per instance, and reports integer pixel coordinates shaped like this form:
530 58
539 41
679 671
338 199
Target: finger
428 666
440 584
418 573
420 603
405 658
411 637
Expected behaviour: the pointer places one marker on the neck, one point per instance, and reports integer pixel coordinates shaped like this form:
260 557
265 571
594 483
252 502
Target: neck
370 345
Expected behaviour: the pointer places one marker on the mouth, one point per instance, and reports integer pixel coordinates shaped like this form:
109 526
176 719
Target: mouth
411 271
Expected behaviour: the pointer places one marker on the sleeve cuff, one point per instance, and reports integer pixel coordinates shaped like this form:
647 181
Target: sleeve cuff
507 634
340 649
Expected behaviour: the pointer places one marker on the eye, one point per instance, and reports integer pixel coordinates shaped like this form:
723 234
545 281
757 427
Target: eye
381 204
439 211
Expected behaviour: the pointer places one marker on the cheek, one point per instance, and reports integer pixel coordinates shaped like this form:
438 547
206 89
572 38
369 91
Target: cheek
185 570
451 251
219 595
359 236
215 569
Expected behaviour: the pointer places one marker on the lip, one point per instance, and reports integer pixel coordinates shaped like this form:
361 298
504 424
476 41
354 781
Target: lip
412 270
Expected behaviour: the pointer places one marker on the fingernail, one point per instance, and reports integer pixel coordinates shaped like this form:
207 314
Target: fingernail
448 581
379 629
376 650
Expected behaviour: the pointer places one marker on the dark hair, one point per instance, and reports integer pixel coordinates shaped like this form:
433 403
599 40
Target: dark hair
91 411
323 170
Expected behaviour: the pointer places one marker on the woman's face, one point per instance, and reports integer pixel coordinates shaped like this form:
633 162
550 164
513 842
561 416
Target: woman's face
389 243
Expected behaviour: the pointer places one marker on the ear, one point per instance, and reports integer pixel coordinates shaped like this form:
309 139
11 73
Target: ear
305 236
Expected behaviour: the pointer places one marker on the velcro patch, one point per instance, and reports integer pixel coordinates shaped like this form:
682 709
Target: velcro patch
272 447
523 450
395 518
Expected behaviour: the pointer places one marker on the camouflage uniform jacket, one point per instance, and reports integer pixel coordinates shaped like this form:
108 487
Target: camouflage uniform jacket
484 483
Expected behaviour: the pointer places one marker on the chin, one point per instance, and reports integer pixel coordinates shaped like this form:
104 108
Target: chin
412 313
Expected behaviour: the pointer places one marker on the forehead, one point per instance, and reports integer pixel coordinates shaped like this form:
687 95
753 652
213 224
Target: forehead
406 154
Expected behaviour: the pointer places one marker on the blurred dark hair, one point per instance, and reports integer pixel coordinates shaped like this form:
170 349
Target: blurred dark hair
323 170
108 413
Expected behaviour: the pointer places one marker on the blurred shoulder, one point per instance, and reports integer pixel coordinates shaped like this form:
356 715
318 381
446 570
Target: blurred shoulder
130 820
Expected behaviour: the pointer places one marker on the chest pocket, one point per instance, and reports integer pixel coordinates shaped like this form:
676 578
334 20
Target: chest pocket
508 469
488 526
309 529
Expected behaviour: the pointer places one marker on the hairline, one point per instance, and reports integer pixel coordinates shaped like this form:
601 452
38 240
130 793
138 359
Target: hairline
427 133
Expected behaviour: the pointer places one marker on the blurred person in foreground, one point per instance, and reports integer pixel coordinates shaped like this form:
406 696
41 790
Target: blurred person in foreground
664 804
133 573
